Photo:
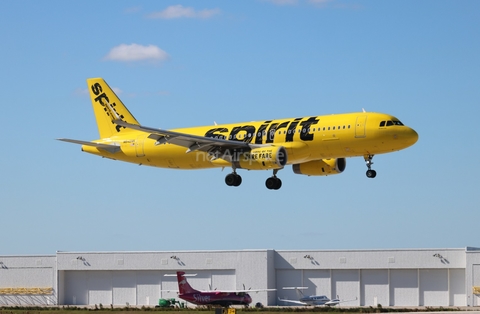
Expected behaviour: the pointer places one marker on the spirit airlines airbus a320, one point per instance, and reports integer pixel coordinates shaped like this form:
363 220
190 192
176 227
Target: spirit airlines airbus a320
313 145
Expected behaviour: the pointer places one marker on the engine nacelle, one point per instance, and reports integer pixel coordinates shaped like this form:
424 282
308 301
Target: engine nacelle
263 158
322 167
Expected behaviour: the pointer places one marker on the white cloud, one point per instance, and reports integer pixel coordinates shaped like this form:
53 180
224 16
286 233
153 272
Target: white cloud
117 91
179 11
135 52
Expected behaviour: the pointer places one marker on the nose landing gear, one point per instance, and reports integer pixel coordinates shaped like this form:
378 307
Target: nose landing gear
370 172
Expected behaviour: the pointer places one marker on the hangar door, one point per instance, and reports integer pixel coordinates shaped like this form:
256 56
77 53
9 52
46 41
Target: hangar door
88 288
345 286
75 291
124 288
374 287
433 287
319 281
403 287
288 278
148 287
99 285
457 287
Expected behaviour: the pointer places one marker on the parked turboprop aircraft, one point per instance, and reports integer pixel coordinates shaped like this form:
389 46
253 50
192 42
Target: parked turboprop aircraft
223 298
313 145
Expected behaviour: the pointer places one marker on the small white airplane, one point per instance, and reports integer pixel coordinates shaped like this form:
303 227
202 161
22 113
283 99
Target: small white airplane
313 300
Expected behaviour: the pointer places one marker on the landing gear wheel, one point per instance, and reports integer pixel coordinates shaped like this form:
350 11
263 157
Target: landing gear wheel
233 179
371 174
273 183
238 180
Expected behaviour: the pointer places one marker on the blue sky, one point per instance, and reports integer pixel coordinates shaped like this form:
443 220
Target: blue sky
186 63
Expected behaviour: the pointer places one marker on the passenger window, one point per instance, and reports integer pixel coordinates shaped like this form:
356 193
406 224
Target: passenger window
334 128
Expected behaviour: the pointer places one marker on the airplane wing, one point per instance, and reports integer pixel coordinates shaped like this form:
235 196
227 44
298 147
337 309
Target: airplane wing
243 291
189 141
293 301
333 302
338 301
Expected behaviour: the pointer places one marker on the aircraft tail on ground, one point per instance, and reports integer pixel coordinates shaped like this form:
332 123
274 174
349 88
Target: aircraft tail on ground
107 107
183 285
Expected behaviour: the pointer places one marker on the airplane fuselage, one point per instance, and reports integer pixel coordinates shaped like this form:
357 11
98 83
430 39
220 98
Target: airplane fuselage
305 139
217 298
315 300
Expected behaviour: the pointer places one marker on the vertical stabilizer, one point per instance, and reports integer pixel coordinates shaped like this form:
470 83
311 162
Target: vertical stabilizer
107 108
183 285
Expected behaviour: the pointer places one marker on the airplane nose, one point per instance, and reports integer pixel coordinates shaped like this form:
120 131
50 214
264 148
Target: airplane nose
411 137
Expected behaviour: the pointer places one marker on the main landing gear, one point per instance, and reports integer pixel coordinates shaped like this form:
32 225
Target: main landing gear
370 172
272 183
233 179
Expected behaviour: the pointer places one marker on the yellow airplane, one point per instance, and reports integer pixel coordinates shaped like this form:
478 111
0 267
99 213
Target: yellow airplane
313 145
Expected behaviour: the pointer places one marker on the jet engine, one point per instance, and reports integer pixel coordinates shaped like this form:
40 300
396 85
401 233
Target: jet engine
263 158
323 167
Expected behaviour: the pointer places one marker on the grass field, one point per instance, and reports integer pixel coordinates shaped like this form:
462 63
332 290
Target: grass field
289 310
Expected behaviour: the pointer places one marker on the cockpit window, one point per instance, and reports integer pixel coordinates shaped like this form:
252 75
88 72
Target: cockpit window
390 123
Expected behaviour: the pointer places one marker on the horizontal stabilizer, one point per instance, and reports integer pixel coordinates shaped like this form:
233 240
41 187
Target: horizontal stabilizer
108 147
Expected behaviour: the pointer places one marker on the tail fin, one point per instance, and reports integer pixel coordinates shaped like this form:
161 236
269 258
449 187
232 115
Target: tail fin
183 285
107 108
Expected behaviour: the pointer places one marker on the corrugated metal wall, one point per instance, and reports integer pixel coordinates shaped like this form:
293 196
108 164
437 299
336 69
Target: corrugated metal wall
407 277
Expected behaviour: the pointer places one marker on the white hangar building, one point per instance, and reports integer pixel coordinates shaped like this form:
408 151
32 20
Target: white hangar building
404 277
